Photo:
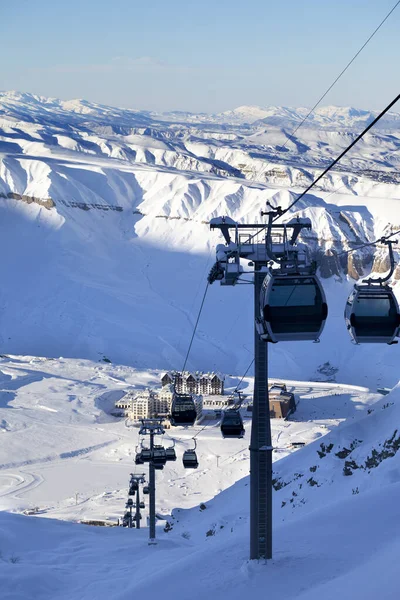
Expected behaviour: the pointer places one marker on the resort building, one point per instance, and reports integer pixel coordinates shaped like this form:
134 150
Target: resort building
194 383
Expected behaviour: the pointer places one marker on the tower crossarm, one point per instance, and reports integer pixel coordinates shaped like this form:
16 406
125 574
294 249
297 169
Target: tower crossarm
255 242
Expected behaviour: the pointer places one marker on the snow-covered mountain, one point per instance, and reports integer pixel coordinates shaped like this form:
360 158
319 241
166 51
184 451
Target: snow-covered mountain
105 230
105 248
322 117
30 108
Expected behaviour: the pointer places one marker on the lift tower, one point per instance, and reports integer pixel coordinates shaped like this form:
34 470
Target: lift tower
134 482
261 244
152 427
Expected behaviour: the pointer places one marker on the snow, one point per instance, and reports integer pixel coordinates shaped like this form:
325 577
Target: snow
106 246
73 463
122 256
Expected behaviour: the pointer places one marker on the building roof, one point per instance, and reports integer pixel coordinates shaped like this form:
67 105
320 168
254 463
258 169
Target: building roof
195 374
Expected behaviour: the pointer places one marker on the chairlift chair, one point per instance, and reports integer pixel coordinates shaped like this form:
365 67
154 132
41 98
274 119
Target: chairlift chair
133 487
232 424
146 454
139 459
159 457
293 307
189 458
372 312
141 505
183 410
146 489
170 452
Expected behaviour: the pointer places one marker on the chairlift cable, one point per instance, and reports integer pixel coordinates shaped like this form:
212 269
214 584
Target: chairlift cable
245 373
379 240
195 327
353 143
336 80
198 433
343 71
206 268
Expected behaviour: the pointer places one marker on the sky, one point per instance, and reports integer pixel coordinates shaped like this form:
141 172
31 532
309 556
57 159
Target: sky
206 56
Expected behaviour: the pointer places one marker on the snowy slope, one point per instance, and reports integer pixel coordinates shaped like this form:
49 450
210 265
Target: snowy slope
107 245
333 533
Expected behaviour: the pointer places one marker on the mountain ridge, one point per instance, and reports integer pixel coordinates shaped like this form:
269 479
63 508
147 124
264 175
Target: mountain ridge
325 116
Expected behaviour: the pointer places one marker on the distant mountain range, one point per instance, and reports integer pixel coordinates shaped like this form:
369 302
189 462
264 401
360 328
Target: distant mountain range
33 108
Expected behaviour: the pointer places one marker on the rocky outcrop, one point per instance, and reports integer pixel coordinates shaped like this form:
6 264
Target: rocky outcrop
357 265
45 202
329 264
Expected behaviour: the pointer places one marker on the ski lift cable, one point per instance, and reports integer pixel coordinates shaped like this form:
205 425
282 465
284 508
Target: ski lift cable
198 433
245 373
206 268
325 171
195 327
380 240
333 192
341 155
337 78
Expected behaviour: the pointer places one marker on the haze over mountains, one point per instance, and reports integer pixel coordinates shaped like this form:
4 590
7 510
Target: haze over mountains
114 206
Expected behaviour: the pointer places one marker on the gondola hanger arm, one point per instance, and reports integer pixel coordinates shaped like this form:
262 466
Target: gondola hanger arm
381 280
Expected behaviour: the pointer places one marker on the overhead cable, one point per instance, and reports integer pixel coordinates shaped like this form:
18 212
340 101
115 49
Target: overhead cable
195 327
342 72
332 84
353 143
380 240
345 184
245 373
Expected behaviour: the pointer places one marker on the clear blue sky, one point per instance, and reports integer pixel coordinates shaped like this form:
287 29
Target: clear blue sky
208 55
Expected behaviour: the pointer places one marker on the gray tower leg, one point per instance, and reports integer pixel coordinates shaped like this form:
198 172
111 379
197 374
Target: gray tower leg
260 446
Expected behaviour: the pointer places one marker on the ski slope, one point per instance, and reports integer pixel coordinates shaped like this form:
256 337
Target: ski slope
63 456
58 437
